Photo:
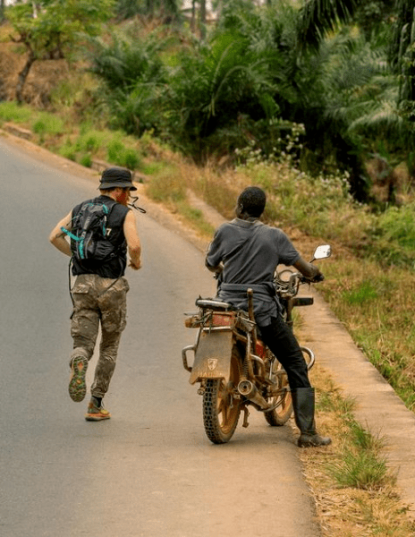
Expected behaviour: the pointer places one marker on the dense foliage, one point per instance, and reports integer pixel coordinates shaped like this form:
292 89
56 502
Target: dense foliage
342 70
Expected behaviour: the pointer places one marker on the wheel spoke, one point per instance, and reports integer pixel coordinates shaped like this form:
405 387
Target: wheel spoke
224 410
283 410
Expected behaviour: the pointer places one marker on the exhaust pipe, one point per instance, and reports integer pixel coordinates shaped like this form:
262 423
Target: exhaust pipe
251 392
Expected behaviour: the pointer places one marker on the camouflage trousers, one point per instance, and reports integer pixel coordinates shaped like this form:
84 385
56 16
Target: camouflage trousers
99 303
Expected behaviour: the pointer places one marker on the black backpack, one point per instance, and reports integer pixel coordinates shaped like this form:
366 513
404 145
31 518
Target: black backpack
89 234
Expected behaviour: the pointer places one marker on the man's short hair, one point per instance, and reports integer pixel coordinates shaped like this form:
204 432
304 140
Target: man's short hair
252 201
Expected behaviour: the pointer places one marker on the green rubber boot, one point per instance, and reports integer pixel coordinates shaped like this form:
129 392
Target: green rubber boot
303 404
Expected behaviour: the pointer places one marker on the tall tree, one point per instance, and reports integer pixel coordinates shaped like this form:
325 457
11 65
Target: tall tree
202 19
51 29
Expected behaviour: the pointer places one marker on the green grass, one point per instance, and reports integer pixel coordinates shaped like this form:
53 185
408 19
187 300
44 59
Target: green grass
363 293
167 187
360 469
195 218
47 127
86 160
359 462
11 111
375 304
91 140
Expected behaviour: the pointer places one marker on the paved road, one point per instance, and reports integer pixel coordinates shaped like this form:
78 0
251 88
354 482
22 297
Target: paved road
149 471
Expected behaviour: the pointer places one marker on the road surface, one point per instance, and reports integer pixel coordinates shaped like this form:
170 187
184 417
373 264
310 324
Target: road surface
149 471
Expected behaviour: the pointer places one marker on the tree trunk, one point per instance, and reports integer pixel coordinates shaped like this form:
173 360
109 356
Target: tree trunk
202 21
193 21
2 4
21 80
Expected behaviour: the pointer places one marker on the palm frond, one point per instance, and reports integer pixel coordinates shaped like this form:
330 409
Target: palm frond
381 116
318 17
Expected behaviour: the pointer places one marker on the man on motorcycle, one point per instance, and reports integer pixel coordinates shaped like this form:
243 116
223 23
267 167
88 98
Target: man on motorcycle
244 254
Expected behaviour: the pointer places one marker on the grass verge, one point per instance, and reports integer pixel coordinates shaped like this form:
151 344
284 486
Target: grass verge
354 491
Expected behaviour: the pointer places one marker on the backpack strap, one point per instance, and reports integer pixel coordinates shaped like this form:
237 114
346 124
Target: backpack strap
70 235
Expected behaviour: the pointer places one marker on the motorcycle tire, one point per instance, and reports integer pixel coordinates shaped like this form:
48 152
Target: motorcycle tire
282 413
220 410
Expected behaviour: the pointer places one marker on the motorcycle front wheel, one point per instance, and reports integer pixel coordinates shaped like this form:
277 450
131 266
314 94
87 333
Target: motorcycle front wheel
220 409
282 413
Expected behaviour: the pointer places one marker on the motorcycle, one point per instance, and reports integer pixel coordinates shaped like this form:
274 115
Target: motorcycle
234 367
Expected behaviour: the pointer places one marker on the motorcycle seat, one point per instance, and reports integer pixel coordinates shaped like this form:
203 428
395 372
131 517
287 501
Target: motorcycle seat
214 304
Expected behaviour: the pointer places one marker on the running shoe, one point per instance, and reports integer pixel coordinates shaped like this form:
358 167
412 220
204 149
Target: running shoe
96 413
77 384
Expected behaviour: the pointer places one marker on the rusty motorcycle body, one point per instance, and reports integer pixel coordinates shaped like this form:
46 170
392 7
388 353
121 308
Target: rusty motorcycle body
235 369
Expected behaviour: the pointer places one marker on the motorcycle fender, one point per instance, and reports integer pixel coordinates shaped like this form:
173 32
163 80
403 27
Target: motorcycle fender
212 356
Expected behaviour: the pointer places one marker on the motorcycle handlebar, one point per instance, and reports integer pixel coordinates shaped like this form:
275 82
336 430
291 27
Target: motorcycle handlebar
291 286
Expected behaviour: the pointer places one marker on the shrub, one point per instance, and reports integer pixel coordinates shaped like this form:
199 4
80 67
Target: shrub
91 140
394 236
86 160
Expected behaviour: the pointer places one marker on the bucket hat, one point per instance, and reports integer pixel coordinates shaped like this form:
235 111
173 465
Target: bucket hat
116 177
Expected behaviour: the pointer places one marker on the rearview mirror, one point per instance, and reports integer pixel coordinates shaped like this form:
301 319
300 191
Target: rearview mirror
322 252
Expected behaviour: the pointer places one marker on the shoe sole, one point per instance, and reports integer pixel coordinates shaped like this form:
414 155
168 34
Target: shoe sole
77 384
90 417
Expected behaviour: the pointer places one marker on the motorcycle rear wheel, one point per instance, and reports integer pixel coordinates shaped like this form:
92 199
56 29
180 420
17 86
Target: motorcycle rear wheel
220 410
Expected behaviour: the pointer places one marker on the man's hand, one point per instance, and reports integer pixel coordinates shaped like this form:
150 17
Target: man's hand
136 265
318 277
309 271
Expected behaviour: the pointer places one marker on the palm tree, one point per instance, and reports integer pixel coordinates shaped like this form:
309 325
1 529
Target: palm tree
379 110
132 74
214 91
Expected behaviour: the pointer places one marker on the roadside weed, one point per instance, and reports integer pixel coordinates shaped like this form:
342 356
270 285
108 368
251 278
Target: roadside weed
166 186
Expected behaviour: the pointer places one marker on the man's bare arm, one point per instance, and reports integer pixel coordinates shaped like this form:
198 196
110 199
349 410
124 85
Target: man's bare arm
58 237
133 241
307 269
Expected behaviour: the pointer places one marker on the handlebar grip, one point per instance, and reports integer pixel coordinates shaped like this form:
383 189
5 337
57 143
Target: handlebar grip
316 279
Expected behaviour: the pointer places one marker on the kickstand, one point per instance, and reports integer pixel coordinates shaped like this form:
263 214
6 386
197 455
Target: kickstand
246 416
